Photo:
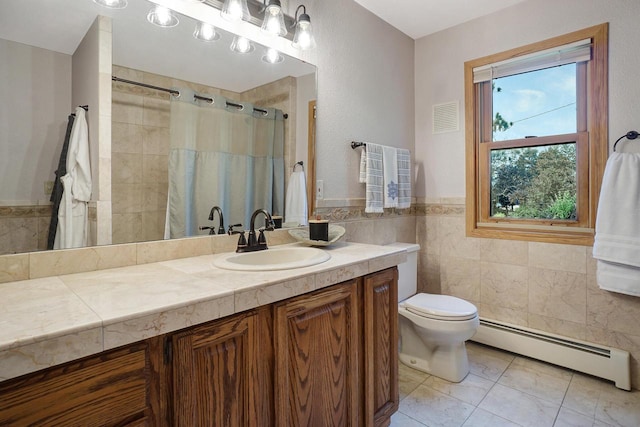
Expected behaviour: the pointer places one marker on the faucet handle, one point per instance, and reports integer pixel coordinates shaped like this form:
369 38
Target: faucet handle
232 231
242 241
262 240
212 230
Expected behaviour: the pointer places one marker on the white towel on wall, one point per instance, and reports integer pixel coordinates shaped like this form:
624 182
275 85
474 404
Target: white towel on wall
295 209
404 178
618 278
617 240
363 165
390 174
374 179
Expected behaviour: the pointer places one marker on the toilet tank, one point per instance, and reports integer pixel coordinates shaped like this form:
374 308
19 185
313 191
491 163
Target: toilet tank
408 271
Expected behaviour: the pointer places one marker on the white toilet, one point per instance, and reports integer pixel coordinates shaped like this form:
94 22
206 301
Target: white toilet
433 328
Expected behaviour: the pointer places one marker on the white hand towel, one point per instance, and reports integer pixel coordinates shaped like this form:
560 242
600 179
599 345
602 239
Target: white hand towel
296 201
390 173
617 240
363 166
404 178
618 278
374 179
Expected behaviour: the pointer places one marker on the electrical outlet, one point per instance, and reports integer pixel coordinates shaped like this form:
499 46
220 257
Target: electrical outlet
319 189
48 187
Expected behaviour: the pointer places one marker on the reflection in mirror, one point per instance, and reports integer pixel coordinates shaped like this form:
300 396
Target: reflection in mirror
44 75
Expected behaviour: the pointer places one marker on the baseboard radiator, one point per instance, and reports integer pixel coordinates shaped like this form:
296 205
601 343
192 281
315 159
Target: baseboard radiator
604 362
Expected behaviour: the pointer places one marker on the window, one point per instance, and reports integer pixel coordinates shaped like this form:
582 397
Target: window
536 139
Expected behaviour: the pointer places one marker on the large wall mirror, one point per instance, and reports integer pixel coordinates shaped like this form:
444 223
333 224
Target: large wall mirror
39 71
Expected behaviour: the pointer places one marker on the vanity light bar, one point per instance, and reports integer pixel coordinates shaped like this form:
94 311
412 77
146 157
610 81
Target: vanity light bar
256 10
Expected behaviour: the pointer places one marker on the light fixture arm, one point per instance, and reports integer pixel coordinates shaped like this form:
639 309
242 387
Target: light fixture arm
295 15
303 38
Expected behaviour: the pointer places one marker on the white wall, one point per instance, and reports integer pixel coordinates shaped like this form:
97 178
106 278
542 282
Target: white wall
86 91
365 90
365 83
439 71
92 62
35 91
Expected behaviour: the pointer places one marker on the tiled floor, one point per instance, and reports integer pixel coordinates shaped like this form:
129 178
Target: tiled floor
503 389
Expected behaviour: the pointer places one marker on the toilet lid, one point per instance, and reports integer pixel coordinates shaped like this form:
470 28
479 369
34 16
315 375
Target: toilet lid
443 307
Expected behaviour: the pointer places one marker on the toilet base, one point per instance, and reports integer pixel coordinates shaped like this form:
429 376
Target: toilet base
447 362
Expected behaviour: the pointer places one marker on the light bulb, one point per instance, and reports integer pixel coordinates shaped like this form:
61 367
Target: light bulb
303 38
162 17
241 45
112 4
272 56
235 10
205 32
273 23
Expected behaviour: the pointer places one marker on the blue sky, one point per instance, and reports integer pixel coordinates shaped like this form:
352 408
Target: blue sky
539 103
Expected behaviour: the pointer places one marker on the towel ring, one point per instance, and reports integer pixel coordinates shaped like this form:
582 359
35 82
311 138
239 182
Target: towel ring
632 134
301 163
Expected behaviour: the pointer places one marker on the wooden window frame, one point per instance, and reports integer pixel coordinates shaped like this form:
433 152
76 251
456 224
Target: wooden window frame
591 149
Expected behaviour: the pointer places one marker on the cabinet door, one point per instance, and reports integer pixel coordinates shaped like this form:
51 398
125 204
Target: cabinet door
381 346
114 388
317 358
222 374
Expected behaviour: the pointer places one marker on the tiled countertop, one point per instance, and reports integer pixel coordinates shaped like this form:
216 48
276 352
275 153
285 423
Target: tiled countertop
53 320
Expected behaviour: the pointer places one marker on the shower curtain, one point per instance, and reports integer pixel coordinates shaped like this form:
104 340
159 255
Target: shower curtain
225 156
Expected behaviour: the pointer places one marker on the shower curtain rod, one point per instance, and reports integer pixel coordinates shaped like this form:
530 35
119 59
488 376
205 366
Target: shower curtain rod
177 93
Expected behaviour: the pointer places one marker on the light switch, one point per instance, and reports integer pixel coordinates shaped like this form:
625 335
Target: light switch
319 189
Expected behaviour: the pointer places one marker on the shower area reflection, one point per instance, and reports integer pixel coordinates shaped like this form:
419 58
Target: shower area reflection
208 152
222 153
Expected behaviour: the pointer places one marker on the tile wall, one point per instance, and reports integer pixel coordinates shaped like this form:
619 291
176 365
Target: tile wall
544 286
24 228
140 149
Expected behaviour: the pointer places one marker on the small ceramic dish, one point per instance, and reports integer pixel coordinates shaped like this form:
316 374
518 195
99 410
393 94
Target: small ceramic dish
302 235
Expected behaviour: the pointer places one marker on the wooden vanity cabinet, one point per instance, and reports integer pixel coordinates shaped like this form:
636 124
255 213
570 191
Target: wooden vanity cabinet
380 349
316 346
325 358
337 354
114 388
222 372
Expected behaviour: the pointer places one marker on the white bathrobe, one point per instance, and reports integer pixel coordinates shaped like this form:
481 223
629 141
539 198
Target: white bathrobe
72 229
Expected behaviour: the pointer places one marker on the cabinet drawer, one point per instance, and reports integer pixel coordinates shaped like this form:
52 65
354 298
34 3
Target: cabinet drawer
106 390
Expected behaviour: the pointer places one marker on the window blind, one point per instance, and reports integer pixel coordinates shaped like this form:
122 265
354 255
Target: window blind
560 55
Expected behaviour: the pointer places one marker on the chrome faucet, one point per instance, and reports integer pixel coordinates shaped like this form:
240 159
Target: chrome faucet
252 243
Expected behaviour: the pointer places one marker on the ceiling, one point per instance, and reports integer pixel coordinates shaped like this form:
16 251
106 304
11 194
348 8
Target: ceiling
139 45
60 25
418 18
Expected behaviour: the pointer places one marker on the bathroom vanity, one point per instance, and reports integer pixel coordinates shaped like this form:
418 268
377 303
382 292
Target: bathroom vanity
309 346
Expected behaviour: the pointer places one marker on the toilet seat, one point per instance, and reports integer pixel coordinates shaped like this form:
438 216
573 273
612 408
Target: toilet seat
440 307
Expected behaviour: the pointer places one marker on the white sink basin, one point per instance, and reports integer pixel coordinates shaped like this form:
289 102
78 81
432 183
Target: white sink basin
272 259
